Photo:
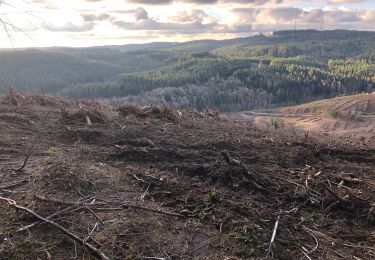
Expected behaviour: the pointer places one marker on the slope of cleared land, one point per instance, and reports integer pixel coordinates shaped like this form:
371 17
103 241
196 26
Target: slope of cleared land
345 106
349 115
155 183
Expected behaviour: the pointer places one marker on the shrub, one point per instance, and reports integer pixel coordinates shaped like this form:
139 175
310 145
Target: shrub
355 116
276 123
331 113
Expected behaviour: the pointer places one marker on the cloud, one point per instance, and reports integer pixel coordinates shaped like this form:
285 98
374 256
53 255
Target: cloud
176 20
345 1
204 2
140 14
96 17
193 16
185 22
69 27
307 16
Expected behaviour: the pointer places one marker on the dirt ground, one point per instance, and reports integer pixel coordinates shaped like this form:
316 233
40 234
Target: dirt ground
349 117
343 116
363 103
161 184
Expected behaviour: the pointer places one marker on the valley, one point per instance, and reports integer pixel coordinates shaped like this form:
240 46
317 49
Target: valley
249 73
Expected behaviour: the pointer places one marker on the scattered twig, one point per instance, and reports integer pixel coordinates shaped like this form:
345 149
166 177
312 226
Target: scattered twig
94 214
90 233
142 208
63 202
139 179
316 242
334 204
334 194
29 152
58 213
145 193
307 256
14 184
320 234
97 252
97 205
35 138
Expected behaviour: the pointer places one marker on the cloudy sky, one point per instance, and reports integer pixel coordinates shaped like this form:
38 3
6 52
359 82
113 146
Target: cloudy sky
99 22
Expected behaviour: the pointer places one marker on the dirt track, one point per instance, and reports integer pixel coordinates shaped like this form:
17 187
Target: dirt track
187 186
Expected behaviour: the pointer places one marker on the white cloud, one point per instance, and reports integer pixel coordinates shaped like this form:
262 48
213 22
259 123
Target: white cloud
95 22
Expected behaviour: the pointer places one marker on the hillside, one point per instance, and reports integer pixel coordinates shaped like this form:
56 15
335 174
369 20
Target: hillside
154 183
348 117
262 71
339 106
51 70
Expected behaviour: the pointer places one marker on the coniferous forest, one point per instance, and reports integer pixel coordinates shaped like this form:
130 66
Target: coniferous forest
287 67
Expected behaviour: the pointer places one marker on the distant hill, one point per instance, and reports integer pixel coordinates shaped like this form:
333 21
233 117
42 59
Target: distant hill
286 67
48 71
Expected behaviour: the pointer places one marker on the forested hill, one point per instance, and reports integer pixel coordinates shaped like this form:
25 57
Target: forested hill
287 67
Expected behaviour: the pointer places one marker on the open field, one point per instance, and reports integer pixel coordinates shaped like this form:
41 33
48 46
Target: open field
156 183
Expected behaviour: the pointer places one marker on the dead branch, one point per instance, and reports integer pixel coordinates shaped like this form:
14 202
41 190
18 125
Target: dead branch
90 234
14 184
330 207
96 251
58 213
85 112
316 242
320 234
153 210
269 249
97 205
94 214
228 159
35 139
63 202
334 194
88 120
28 153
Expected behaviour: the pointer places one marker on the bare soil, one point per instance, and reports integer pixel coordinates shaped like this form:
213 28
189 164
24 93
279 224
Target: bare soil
163 184
346 105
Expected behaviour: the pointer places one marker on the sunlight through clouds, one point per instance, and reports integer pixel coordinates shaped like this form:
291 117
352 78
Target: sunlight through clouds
95 22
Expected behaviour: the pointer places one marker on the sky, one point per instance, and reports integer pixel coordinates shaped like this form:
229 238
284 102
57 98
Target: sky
78 23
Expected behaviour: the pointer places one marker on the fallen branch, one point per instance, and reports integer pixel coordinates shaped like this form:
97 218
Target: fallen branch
269 249
58 213
334 204
14 184
229 160
63 202
35 139
28 153
334 194
96 251
154 210
94 214
320 234
88 120
122 206
85 112
95 206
